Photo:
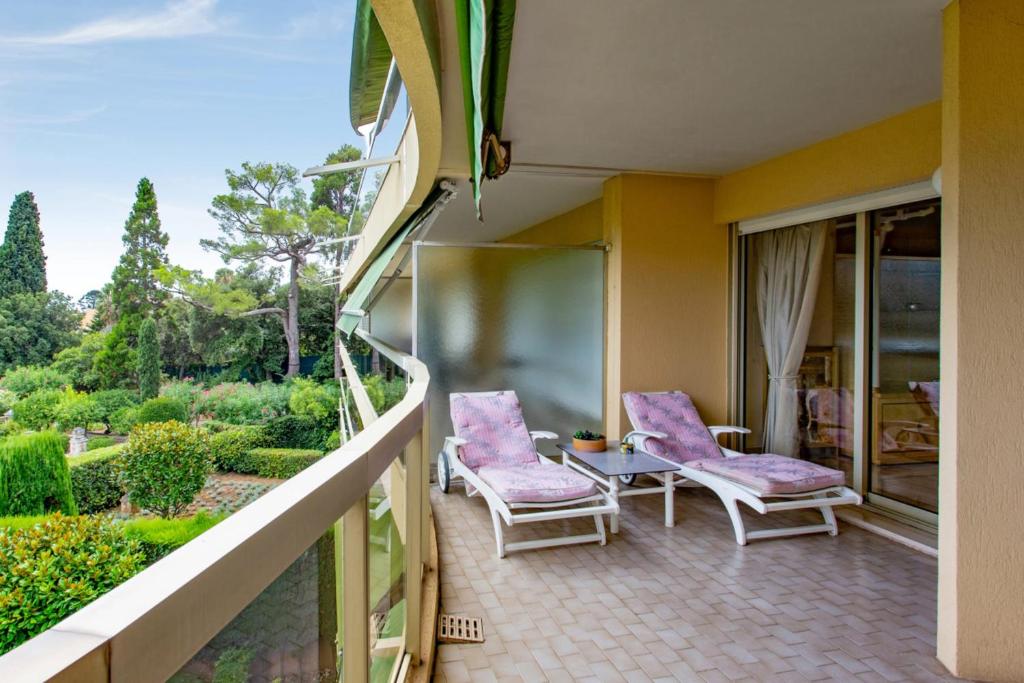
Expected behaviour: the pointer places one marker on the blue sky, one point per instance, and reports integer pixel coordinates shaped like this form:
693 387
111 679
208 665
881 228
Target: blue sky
96 94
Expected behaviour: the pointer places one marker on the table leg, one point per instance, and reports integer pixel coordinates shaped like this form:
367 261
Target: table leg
670 508
613 491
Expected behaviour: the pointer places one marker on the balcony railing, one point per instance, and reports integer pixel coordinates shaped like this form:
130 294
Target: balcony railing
149 627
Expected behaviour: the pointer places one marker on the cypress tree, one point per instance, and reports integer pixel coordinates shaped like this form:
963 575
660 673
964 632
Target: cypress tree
22 262
135 290
149 360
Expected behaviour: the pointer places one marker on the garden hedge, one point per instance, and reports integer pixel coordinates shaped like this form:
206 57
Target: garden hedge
295 431
94 479
34 477
158 537
277 463
98 442
228 448
162 409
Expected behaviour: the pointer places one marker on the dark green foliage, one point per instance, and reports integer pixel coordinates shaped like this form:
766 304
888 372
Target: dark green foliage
136 290
333 441
34 326
77 409
98 442
111 402
123 419
160 537
384 394
229 448
77 363
39 409
116 362
587 435
165 466
28 379
57 566
162 409
295 431
22 263
149 360
95 480
233 666
34 477
276 463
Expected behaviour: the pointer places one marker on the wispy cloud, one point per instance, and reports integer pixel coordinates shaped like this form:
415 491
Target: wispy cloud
53 119
178 19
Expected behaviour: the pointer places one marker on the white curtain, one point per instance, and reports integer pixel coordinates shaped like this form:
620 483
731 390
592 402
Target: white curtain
789 269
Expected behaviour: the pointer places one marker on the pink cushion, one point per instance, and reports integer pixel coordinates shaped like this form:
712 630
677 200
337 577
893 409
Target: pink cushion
675 415
772 474
537 483
493 425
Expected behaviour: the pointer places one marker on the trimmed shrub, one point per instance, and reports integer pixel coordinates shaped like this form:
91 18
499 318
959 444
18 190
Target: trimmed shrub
77 410
148 367
162 410
165 466
95 479
34 477
112 400
57 566
123 419
100 442
160 537
295 431
229 448
277 463
38 410
29 379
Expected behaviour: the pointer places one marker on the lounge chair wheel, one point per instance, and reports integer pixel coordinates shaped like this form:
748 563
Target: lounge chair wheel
627 479
444 472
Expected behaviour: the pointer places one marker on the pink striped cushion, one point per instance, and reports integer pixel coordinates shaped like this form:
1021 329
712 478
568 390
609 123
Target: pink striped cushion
537 483
675 415
772 474
493 425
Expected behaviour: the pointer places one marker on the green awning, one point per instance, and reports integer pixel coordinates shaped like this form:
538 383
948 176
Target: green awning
485 44
352 312
371 60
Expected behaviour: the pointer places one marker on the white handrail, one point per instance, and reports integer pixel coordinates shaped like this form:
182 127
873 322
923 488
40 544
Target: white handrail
147 628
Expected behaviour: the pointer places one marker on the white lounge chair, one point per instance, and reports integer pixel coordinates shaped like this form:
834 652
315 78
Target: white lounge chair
497 458
669 426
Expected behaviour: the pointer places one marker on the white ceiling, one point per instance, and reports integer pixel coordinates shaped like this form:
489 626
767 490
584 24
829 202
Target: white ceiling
690 86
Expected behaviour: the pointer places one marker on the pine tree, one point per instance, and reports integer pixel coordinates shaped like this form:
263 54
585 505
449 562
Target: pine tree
22 263
149 360
136 291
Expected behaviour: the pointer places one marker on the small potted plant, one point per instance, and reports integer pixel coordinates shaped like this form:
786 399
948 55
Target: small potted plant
586 440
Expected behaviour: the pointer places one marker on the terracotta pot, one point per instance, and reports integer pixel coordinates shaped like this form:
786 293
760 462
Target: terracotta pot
595 446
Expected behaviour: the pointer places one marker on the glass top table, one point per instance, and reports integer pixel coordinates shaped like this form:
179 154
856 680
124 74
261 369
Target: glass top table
609 467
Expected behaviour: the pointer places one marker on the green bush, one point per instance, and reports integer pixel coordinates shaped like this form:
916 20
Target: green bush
123 419
243 403
333 442
159 537
229 448
233 666
185 391
295 431
76 362
30 379
165 466
100 442
277 463
384 394
148 358
77 409
162 410
34 477
57 566
38 410
95 478
110 401
7 400
10 428
314 400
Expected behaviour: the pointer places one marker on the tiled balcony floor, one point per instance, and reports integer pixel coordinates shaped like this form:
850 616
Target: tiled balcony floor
685 603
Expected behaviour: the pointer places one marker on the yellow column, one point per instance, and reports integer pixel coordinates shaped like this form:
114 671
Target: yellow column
667 308
981 550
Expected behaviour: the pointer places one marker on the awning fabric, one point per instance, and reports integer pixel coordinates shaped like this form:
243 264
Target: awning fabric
371 60
485 44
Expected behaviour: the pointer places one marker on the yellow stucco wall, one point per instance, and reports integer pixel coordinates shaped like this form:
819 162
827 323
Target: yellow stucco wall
981 466
897 151
582 225
667 293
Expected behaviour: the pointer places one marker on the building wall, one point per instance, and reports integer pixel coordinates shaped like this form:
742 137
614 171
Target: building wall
581 225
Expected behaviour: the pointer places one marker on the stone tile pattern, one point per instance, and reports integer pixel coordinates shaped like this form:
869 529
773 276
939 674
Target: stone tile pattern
686 603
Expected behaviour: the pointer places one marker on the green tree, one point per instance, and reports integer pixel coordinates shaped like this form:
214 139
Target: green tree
77 362
176 350
149 360
115 364
266 215
339 192
35 326
136 290
22 263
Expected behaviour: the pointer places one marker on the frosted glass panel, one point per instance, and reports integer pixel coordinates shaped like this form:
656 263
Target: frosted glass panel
390 319
530 320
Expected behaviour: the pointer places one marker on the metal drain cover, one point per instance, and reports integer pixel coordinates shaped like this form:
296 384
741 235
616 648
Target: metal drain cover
459 629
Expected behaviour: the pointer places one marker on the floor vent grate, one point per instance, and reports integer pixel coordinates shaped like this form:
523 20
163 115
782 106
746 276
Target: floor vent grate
458 629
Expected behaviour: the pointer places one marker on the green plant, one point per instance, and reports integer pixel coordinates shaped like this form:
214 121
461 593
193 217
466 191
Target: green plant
57 566
10 428
277 463
185 391
30 379
148 360
97 442
159 537
38 410
34 476
333 441
77 409
243 403
295 431
233 666
229 448
165 466
123 420
76 362
384 394
110 401
587 435
95 479
317 401
162 410
7 400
